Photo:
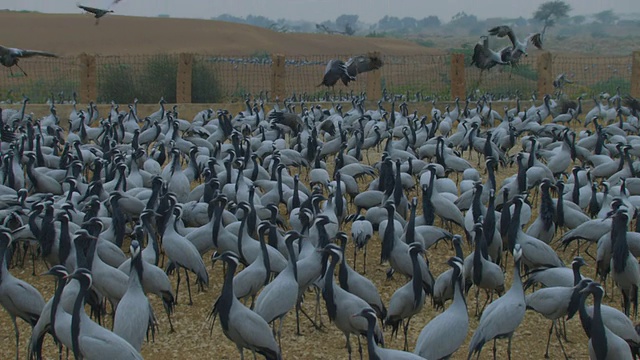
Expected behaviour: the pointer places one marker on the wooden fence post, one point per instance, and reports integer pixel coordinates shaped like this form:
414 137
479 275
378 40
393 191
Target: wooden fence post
278 76
374 79
88 78
545 74
458 84
635 74
184 76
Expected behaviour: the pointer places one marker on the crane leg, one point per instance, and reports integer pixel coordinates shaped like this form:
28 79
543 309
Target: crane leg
364 261
509 347
177 285
560 341
355 254
477 296
17 332
406 329
348 345
494 349
24 73
546 353
635 301
186 272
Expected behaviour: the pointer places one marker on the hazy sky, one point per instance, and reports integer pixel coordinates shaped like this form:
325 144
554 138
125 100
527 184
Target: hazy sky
370 11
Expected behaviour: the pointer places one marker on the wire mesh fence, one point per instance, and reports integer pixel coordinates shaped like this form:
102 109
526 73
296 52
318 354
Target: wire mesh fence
503 82
148 78
59 77
592 76
216 78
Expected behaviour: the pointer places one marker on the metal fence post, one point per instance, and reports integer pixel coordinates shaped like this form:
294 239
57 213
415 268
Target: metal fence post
635 74
88 78
374 79
458 85
545 74
278 76
183 80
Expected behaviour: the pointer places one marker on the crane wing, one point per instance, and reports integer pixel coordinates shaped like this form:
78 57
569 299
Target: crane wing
362 63
4 51
31 53
502 31
536 40
89 9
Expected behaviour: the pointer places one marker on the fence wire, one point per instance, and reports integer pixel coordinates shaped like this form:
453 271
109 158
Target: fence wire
57 76
591 76
417 76
501 81
217 78
147 78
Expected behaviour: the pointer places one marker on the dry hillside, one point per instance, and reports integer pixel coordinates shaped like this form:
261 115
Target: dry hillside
74 34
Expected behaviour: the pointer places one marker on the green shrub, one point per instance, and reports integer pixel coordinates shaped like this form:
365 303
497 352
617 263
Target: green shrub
263 55
425 43
375 34
610 86
525 71
159 79
116 82
205 87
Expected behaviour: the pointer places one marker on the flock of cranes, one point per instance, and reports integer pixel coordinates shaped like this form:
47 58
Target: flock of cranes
282 196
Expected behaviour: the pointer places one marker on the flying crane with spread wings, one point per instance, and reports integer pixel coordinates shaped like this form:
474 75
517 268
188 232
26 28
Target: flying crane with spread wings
97 12
10 57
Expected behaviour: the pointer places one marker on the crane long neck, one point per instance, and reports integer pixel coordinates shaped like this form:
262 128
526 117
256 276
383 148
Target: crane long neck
388 240
416 280
328 291
598 334
371 342
75 321
227 296
54 303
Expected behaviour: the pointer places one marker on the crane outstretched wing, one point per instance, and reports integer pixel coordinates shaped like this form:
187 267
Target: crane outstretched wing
502 31
30 53
536 40
89 9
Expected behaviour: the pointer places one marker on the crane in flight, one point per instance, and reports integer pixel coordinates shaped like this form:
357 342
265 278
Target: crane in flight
9 57
98 13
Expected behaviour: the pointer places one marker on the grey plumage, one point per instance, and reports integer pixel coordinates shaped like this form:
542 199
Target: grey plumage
376 352
554 303
335 71
239 324
604 344
445 333
280 295
90 340
18 298
341 304
408 300
133 314
11 56
503 316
